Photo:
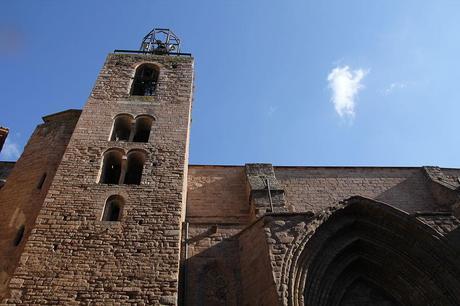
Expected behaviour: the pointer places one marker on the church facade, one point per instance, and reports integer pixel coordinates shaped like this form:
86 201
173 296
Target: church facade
103 207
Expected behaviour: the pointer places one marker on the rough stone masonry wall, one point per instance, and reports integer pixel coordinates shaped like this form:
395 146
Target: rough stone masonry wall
316 188
257 281
20 197
218 206
74 258
310 248
217 209
217 194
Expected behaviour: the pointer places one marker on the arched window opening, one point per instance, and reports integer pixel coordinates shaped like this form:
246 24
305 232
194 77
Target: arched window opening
121 128
42 181
112 209
111 167
135 166
143 127
19 235
145 80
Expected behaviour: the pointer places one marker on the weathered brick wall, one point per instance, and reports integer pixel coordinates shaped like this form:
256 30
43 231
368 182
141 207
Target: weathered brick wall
217 194
315 188
212 269
257 281
219 191
20 198
217 209
72 256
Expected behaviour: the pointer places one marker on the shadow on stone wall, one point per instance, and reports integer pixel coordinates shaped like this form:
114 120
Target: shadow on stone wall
411 194
213 275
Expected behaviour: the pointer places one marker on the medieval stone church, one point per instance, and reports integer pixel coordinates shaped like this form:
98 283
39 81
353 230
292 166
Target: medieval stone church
103 208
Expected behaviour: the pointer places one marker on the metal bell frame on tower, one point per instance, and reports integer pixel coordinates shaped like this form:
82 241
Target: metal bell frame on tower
160 41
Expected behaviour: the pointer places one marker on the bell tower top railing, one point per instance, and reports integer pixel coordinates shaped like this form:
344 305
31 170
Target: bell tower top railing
158 41
161 41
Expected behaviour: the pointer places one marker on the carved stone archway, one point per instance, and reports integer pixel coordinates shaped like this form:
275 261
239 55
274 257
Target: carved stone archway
367 252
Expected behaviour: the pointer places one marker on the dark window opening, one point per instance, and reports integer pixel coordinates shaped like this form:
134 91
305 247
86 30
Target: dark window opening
121 128
145 81
19 235
134 169
111 169
42 181
143 127
112 210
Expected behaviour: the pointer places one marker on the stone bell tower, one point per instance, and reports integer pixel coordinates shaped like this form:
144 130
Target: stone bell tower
109 230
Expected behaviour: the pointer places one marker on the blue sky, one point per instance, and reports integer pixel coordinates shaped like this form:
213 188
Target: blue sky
286 82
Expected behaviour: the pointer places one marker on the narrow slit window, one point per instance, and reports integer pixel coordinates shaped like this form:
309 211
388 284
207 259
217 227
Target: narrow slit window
111 167
112 209
145 80
135 166
121 128
142 129
19 235
42 181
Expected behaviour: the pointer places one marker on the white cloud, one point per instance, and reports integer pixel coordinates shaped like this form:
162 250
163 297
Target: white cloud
271 110
10 150
392 87
345 85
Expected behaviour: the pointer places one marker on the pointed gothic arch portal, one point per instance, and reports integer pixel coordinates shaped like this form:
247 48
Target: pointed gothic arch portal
369 253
